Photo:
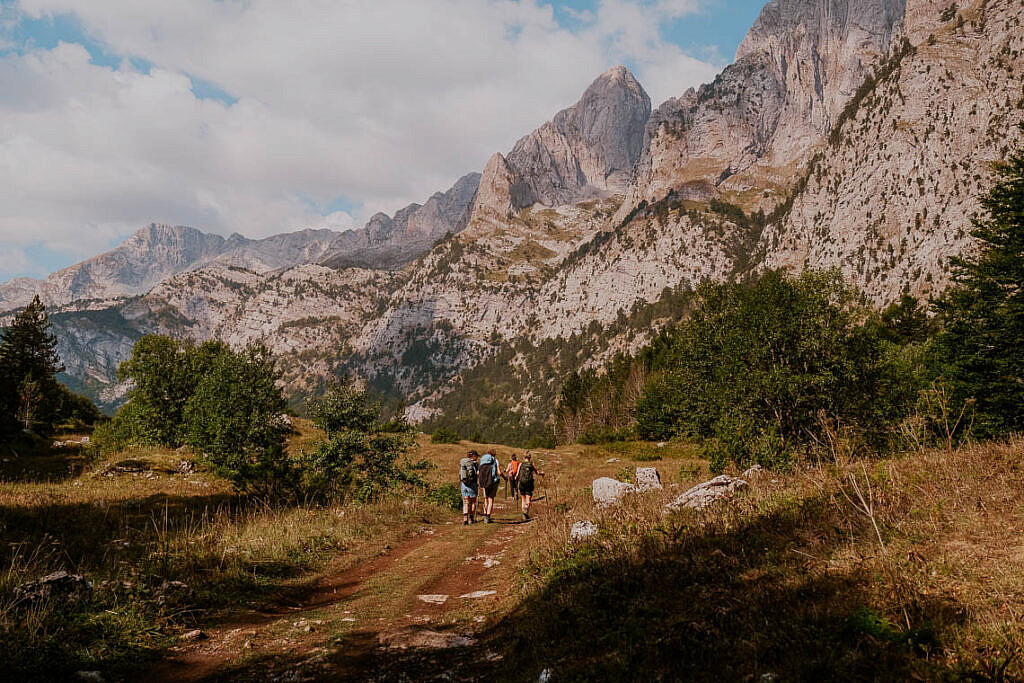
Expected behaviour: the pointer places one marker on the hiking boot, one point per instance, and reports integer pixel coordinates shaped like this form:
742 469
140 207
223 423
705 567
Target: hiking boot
488 519
526 516
465 522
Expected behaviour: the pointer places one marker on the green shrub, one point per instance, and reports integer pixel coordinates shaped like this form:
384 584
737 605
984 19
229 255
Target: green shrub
603 434
444 435
446 496
751 372
362 457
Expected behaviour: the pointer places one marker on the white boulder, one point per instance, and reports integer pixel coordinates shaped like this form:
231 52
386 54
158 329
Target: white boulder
608 491
648 478
703 495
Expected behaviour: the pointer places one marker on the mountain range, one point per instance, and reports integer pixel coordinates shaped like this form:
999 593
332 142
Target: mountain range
854 134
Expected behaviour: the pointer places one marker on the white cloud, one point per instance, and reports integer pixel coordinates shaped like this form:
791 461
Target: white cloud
378 101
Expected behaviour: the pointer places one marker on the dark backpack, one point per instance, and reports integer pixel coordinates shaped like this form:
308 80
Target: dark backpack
526 474
467 472
487 473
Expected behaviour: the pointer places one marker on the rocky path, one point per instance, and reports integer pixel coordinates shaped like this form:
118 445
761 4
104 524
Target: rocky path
431 593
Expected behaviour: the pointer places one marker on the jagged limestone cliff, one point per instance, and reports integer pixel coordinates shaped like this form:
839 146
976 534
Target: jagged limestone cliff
868 126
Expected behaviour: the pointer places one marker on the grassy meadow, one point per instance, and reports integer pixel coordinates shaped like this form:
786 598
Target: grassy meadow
909 567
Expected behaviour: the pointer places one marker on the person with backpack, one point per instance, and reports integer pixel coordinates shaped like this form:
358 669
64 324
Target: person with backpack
527 470
512 475
490 476
468 482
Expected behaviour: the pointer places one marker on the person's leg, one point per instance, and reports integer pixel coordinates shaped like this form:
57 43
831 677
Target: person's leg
465 510
472 509
526 504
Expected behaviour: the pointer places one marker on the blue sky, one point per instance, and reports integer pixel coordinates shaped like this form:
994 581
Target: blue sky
261 117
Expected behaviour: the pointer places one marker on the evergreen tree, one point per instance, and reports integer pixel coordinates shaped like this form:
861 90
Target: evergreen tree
29 364
979 349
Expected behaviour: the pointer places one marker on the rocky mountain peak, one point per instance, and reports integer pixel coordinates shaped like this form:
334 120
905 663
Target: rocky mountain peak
587 150
764 114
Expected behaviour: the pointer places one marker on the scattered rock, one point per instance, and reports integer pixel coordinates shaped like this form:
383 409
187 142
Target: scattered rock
608 491
185 467
477 594
423 638
172 591
661 444
94 676
433 599
57 584
194 635
703 495
753 472
611 460
582 530
648 478
545 676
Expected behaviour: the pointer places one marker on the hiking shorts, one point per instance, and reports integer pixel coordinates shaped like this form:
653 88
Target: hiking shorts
467 492
526 489
492 490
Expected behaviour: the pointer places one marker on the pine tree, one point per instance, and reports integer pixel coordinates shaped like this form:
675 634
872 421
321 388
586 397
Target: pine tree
979 349
28 367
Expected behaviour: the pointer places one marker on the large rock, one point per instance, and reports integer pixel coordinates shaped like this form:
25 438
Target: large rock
647 478
608 491
703 495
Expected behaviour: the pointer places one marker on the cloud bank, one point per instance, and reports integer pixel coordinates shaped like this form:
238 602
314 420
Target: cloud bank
262 116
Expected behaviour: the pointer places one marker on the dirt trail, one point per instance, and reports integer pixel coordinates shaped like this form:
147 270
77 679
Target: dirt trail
433 591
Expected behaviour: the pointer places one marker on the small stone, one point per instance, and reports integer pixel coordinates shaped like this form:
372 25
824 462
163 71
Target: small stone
477 594
611 460
94 676
582 530
433 599
194 635
753 472
545 676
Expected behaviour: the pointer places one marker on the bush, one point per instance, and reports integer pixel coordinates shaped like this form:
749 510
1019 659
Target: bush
750 373
446 496
361 458
444 435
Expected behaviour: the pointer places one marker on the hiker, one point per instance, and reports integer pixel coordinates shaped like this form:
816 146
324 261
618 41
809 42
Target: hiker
490 476
512 476
526 481
468 472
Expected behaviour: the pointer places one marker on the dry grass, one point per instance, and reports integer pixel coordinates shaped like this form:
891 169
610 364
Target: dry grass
138 519
854 569
792 578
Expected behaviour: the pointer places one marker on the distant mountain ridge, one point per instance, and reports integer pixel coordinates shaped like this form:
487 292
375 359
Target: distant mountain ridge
158 251
854 134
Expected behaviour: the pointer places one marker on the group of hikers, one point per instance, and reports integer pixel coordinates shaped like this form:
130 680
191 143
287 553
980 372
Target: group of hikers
483 472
